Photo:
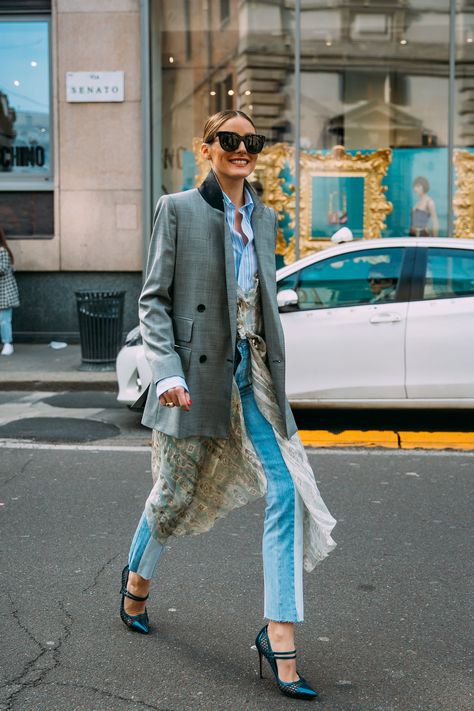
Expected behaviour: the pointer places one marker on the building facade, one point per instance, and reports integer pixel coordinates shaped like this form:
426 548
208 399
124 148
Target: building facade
367 105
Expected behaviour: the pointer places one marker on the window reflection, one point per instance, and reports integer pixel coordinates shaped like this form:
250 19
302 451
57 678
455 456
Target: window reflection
367 277
374 75
225 55
24 99
371 77
449 274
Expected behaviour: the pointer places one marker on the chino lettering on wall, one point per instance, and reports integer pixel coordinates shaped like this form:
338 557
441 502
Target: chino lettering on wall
94 86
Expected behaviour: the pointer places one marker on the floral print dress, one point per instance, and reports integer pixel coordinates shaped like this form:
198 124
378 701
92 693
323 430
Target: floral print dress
198 480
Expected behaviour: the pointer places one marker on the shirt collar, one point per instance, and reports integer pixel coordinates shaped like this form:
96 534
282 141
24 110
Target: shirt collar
249 203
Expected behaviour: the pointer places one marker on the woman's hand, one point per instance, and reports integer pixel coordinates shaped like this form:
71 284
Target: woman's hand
179 397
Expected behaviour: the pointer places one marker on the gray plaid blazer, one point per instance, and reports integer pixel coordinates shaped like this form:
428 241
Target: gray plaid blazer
188 309
8 288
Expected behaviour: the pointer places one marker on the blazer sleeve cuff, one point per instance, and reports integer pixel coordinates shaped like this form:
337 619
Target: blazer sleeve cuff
173 382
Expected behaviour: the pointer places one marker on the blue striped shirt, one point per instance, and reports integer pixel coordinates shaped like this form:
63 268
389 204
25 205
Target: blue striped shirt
245 259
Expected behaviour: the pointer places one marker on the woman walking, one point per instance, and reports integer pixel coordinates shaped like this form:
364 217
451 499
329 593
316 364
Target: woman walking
8 295
211 332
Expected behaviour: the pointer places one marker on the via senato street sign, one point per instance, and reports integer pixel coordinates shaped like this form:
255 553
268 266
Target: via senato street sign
94 86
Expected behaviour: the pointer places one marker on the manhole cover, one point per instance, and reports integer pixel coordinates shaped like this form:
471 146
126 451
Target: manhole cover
58 429
77 400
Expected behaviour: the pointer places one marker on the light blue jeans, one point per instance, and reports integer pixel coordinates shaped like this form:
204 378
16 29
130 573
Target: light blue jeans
282 546
6 335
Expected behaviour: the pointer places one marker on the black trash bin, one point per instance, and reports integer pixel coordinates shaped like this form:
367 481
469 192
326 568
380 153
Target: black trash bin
100 315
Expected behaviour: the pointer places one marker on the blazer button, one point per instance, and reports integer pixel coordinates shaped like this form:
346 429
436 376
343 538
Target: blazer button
201 307
202 359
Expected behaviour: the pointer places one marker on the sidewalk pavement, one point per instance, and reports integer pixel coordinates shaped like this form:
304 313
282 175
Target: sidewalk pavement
37 366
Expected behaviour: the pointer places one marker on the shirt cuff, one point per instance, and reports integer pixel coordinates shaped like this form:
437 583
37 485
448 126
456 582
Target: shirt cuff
175 381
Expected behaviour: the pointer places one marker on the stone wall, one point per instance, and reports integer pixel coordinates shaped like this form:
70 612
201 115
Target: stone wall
97 146
48 304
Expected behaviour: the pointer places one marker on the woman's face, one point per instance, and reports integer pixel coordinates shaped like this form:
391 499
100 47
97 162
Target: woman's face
236 164
418 189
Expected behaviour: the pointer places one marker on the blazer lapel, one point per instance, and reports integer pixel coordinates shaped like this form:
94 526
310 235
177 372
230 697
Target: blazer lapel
211 192
231 282
265 256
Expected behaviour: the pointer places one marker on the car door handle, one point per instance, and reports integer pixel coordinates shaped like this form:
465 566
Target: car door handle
385 318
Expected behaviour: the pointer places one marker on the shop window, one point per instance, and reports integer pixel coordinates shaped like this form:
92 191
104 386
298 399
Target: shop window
242 57
383 83
26 163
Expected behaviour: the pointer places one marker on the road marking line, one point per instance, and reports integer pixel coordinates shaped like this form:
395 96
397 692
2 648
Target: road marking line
349 438
437 440
313 439
388 439
15 444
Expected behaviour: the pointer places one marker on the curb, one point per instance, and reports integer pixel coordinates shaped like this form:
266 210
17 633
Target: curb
388 439
46 381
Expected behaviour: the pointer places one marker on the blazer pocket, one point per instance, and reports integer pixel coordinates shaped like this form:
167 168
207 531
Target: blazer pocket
184 354
182 328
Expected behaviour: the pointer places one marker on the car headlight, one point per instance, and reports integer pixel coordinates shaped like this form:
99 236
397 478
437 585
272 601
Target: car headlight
134 337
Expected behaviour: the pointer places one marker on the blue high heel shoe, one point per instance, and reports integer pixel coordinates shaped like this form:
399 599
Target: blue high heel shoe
299 689
138 623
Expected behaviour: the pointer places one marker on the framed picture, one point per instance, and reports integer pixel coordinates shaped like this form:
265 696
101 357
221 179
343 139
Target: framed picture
417 178
336 201
340 189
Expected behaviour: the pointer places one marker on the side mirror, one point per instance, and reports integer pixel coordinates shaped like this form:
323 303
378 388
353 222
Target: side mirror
342 235
286 299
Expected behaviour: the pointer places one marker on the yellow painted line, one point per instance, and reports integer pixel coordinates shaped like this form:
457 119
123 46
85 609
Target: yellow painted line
389 439
349 438
437 440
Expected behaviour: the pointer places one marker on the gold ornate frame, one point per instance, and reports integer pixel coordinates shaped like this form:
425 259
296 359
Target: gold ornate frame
372 167
463 201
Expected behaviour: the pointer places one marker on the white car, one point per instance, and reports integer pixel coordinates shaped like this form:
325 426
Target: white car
373 323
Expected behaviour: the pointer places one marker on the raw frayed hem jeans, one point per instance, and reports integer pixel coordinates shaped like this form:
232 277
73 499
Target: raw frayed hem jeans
282 546
6 335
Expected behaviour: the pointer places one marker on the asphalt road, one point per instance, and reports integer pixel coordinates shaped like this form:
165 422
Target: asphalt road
82 416
387 623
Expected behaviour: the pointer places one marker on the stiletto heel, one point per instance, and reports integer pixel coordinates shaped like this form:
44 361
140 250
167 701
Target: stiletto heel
138 623
299 689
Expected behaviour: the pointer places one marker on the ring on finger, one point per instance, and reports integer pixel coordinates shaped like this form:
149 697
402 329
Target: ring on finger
169 404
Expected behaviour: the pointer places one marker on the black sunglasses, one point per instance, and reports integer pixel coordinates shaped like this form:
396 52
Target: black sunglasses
230 141
377 280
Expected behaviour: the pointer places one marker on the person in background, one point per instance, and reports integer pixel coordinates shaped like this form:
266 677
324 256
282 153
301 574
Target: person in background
9 297
424 220
382 282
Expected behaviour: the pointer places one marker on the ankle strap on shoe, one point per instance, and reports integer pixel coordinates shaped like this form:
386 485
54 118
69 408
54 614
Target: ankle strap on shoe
135 597
285 655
